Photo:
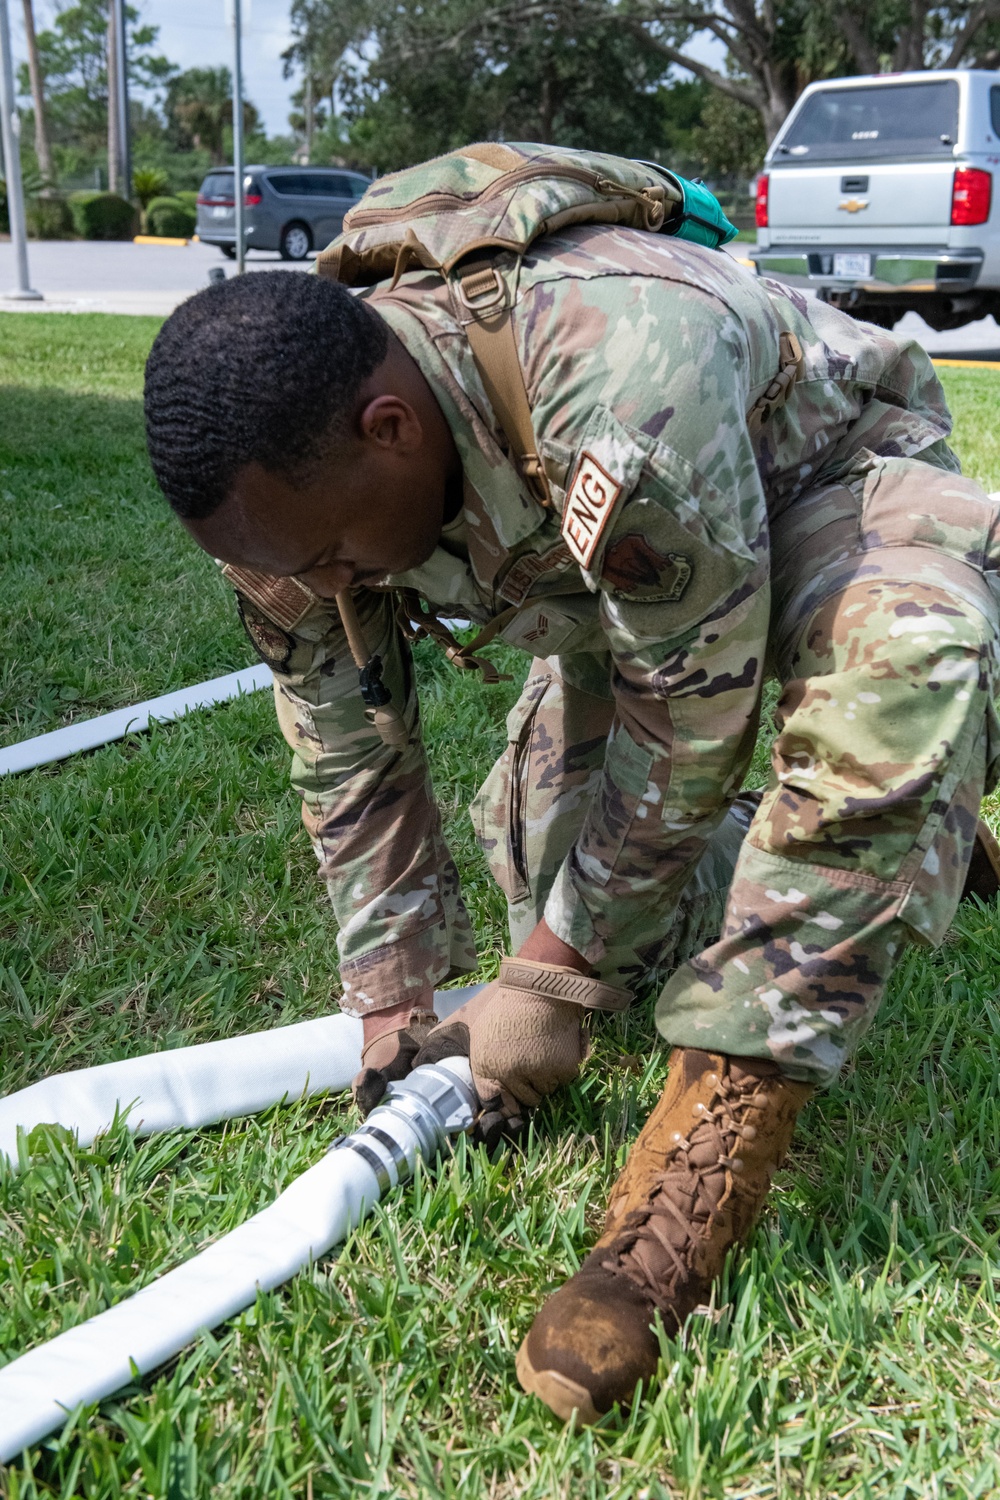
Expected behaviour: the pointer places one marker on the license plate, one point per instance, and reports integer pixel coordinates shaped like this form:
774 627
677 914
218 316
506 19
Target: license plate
852 265
223 213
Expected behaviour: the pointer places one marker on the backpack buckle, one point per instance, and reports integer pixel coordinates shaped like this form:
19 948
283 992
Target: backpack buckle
481 290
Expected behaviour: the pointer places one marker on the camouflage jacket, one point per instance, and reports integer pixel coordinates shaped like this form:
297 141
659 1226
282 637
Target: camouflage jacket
642 356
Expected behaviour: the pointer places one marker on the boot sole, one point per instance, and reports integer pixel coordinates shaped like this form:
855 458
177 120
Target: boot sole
569 1401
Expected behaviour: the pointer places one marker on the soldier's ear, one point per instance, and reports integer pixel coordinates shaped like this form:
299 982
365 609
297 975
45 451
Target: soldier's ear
390 423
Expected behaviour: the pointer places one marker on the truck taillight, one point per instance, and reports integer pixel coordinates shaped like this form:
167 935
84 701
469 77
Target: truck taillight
761 204
250 200
970 196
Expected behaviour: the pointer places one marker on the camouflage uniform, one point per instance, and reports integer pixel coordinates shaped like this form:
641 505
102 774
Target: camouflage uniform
839 550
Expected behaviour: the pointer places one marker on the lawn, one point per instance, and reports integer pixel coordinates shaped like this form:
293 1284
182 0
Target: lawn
160 891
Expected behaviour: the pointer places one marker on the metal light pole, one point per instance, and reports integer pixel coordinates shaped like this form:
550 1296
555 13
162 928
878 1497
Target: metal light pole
120 103
238 194
10 134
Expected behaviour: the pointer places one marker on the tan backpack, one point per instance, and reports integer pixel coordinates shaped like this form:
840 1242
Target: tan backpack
459 213
464 215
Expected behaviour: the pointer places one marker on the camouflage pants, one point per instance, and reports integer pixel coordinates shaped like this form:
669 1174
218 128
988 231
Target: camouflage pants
529 811
883 638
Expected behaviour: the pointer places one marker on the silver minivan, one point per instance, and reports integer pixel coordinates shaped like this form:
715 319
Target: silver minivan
289 209
878 193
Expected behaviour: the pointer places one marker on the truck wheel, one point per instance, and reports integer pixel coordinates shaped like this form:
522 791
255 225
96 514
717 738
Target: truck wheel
296 242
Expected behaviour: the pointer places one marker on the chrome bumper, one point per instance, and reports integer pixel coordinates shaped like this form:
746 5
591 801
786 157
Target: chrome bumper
892 270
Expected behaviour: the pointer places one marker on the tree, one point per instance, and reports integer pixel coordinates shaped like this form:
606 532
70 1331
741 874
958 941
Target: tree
72 57
199 110
423 78
43 151
324 33
773 48
900 35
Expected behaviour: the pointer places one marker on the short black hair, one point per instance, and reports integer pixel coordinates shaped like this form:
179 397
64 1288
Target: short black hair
263 368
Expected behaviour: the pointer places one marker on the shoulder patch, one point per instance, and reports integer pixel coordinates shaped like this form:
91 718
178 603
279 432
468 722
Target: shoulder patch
590 504
635 569
273 645
286 601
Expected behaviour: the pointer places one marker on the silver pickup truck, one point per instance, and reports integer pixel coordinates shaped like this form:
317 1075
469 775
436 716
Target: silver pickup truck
878 193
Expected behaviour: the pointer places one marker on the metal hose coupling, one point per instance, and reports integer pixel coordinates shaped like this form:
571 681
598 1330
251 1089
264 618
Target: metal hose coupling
417 1116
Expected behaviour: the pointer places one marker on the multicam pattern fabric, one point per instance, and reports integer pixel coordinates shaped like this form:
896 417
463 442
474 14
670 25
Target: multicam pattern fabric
825 549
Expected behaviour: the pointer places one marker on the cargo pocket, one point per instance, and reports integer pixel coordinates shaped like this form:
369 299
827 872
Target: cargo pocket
498 808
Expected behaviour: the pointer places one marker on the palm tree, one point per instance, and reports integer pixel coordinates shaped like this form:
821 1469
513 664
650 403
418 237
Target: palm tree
199 106
43 150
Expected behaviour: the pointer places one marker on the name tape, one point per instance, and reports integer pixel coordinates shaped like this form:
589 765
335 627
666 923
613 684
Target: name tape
589 506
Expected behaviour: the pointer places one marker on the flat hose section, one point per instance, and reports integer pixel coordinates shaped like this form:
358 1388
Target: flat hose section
41 1389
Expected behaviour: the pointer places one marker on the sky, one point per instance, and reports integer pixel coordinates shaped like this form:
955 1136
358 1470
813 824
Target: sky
194 33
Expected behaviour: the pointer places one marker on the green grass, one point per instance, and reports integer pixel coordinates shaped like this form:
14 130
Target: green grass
159 892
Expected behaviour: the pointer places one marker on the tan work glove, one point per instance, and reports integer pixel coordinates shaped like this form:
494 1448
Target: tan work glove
390 1056
524 1037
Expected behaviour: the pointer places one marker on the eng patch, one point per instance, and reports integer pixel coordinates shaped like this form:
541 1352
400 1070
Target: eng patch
272 644
589 507
634 569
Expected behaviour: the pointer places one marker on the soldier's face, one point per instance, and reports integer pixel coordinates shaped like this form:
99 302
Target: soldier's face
375 508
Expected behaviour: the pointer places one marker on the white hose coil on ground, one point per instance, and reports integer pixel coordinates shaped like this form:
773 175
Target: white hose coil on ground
187 1087
88 734
42 1388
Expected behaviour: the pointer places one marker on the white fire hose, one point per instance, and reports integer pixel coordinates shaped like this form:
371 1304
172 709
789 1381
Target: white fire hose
193 1086
188 1087
39 1391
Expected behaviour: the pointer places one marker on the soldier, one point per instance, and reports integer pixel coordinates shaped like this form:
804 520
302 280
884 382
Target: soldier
695 535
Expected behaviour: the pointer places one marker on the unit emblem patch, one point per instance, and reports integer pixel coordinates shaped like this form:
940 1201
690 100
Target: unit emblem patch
589 507
634 569
272 644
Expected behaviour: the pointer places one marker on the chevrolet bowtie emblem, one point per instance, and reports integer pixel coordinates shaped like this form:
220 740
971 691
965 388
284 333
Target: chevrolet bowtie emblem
853 205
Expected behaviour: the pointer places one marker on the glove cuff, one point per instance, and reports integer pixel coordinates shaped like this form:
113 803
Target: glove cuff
416 1022
553 982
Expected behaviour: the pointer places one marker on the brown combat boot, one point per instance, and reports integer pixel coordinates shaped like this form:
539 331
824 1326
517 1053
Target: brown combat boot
694 1183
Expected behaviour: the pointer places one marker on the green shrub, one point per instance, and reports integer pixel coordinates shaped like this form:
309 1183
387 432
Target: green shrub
48 218
149 183
102 216
188 198
171 218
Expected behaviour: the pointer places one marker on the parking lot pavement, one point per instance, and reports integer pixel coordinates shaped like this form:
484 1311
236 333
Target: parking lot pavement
976 341
117 276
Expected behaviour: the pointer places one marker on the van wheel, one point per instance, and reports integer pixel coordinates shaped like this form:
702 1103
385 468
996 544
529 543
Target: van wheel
296 242
229 251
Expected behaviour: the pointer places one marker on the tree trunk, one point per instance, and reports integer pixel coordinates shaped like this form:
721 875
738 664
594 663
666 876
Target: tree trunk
43 151
114 145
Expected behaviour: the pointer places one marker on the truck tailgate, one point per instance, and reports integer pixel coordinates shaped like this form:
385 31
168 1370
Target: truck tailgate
872 197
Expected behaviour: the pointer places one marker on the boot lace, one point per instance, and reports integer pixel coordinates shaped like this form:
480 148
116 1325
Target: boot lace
660 1245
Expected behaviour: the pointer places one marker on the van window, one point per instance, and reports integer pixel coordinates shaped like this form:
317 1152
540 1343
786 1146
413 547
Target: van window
218 185
995 109
289 184
327 185
888 119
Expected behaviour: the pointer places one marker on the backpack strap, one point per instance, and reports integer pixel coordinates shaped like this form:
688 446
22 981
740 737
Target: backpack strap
778 392
418 618
482 294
